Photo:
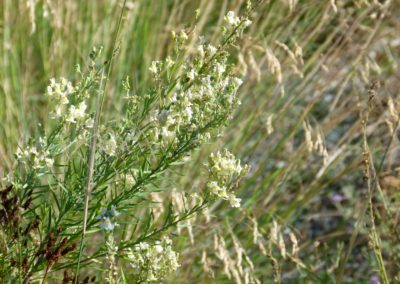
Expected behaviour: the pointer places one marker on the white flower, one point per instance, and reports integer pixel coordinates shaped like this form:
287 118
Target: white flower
143 246
211 49
49 91
200 49
191 74
237 82
216 190
63 99
76 112
158 248
225 172
60 90
166 134
234 201
19 153
153 262
58 112
89 122
188 113
36 163
37 158
183 36
219 68
169 62
231 19
153 68
49 162
247 23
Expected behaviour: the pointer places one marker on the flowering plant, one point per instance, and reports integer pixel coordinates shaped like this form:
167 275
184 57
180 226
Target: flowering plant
83 176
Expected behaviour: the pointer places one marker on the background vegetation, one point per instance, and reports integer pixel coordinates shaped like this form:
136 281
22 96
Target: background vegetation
318 124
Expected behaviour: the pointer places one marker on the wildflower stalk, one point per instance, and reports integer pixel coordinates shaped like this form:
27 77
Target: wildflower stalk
99 105
357 226
89 177
368 177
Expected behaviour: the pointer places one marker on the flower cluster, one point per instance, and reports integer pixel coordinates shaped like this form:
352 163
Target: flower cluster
154 68
106 217
38 158
152 263
204 93
231 19
61 92
235 23
76 113
225 172
180 38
